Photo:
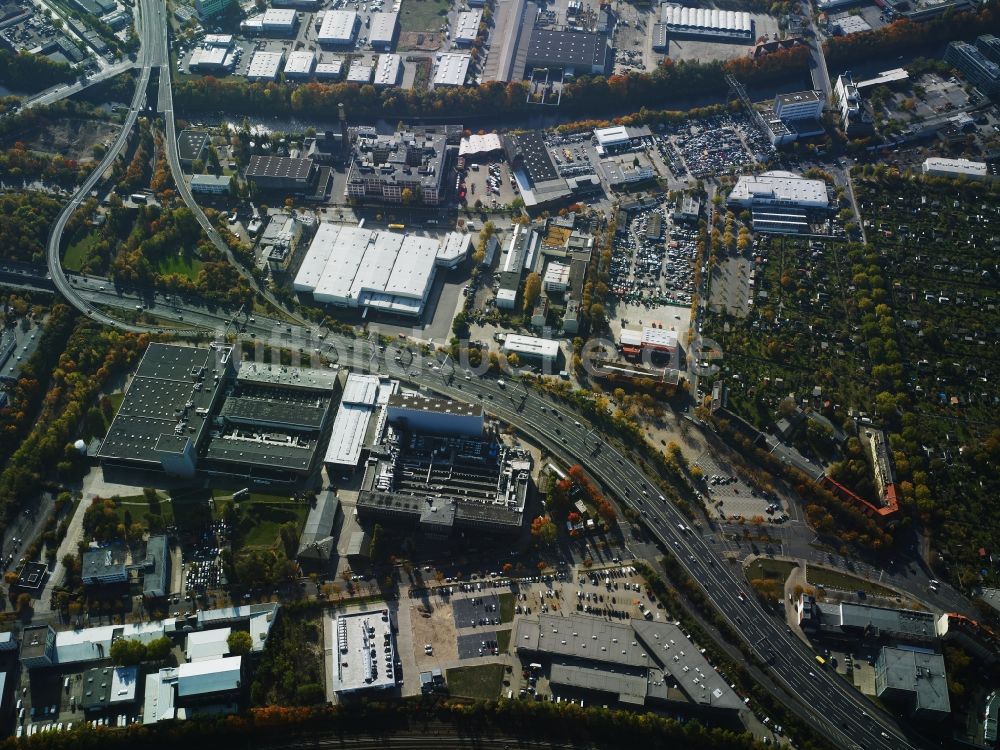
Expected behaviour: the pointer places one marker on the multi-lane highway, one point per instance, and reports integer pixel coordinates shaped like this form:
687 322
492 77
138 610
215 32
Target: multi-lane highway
827 703
825 700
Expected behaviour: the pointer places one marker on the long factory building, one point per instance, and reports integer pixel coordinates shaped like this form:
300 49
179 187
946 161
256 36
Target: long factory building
376 270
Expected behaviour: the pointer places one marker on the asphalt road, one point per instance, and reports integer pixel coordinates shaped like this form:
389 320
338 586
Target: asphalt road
830 705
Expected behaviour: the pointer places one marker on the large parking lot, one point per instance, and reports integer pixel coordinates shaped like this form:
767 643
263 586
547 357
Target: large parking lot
653 263
491 183
731 497
716 145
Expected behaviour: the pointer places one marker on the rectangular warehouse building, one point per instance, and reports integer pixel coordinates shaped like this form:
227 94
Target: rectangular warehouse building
265 66
452 69
384 26
706 23
532 348
578 52
467 28
379 270
280 173
388 69
300 64
364 399
338 29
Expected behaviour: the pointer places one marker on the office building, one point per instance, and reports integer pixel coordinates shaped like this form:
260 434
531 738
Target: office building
383 30
989 45
407 166
412 412
280 173
206 645
451 480
531 348
215 60
379 270
518 253
300 64
631 664
800 105
914 679
264 66
365 652
574 52
467 28
207 9
940 167
975 66
854 116
210 184
866 622
848 25
109 689
388 70
104 566
451 70
707 24
556 278
628 169
339 28
620 138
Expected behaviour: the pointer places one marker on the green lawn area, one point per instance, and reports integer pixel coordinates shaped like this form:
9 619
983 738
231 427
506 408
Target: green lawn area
77 252
479 683
765 568
139 510
422 15
260 516
503 640
184 266
506 606
834 579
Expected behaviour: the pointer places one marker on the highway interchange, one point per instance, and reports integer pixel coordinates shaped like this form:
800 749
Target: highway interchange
835 709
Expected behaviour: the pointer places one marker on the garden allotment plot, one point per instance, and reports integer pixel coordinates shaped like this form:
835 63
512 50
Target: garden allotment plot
941 243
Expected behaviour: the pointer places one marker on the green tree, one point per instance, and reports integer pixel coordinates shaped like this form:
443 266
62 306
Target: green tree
127 652
532 288
240 643
159 649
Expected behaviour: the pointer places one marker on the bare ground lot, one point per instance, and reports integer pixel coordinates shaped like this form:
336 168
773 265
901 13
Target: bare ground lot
436 627
73 139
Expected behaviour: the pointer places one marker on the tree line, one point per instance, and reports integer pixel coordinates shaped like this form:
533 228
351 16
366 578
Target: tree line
589 95
30 73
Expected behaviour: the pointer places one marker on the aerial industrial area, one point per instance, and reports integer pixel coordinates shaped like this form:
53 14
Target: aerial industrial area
580 373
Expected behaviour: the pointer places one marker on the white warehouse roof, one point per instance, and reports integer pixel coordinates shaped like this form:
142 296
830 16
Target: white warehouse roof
467 28
782 188
279 18
209 676
451 69
265 66
383 28
208 644
356 267
332 69
611 136
300 63
338 27
706 19
388 69
936 165
531 346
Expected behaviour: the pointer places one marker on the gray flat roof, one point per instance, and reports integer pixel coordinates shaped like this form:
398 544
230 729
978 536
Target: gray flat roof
418 402
917 672
279 166
274 411
302 378
191 143
901 621
173 386
567 48
262 452
103 561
